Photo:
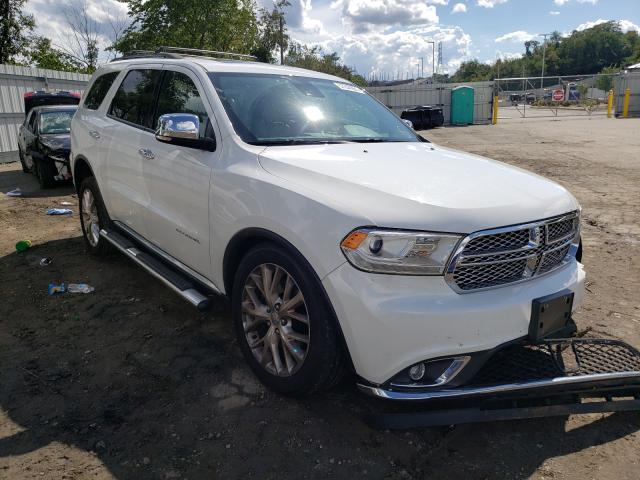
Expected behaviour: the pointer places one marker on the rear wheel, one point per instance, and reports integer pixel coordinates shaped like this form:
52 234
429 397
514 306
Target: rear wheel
45 173
285 328
93 217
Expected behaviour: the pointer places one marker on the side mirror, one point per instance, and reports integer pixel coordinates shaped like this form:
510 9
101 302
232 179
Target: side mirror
182 129
408 123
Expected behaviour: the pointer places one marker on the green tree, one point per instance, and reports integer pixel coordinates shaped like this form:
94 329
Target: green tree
42 55
226 25
313 58
605 82
473 71
15 28
589 51
272 32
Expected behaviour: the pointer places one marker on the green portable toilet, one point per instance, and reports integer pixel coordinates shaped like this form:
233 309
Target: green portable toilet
462 105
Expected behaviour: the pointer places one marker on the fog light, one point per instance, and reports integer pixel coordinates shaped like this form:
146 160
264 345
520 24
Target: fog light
417 372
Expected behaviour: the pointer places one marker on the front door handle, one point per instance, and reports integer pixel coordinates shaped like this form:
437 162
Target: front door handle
94 134
146 153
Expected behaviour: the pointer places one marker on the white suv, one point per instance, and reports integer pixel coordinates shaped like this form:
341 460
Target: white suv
343 239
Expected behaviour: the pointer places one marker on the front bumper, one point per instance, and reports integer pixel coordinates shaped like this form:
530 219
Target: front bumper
551 366
552 378
391 322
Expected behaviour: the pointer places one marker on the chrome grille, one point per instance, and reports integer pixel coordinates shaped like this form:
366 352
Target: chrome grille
507 255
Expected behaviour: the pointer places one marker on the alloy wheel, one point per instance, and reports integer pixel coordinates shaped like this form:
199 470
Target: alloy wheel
90 220
275 320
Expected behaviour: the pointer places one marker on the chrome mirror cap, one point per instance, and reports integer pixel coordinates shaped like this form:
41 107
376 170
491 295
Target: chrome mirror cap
408 123
178 125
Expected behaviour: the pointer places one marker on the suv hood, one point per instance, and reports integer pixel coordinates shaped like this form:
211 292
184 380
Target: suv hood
419 185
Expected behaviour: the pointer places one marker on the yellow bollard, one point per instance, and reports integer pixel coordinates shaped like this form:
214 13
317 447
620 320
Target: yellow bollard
610 104
494 118
625 104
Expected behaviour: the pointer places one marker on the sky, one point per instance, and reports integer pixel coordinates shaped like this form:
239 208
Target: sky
390 38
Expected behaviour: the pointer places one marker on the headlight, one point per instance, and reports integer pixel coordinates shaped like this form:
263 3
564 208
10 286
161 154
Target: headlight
398 251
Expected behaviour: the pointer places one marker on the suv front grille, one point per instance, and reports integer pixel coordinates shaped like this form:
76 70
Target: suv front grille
493 258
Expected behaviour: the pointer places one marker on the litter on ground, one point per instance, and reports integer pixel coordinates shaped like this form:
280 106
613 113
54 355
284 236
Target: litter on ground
59 211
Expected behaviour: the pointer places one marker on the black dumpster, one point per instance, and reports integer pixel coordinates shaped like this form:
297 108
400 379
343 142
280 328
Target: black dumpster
424 117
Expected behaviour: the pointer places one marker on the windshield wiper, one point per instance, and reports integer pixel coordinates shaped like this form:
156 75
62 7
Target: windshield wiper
297 141
375 140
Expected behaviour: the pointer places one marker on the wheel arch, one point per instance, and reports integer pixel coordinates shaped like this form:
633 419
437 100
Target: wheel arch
246 239
81 170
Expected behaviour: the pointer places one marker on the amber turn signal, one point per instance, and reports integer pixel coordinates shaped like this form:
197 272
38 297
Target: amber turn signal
354 240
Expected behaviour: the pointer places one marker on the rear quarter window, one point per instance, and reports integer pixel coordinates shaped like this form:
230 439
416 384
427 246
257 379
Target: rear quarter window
99 90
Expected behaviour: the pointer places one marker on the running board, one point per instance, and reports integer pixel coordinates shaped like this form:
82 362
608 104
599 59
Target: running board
178 282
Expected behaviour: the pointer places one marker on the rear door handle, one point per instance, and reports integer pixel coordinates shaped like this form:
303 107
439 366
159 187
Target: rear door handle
94 134
146 153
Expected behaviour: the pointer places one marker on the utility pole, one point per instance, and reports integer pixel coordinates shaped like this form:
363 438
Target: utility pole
544 51
281 38
433 60
422 68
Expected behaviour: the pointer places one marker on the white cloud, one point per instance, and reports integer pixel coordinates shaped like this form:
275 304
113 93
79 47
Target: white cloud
554 12
518 36
394 54
364 14
592 2
560 2
459 8
628 25
625 25
507 55
490 3
51 21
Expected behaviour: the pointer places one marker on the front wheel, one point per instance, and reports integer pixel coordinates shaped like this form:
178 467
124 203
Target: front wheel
45 172
284 325
25 169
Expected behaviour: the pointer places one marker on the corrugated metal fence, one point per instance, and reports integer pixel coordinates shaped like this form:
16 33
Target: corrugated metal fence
630 80
15 81
408 95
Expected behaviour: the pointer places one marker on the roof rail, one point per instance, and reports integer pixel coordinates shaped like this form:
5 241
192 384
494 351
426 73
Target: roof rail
180 52
196 52
146 54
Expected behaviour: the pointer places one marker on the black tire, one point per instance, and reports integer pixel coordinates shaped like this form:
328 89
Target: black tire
98 246
25 169
324 363
45 173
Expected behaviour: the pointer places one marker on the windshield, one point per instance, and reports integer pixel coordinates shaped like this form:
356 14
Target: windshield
282 109
56 121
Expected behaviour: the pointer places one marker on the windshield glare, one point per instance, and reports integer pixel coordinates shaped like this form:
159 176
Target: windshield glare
282 109
56 122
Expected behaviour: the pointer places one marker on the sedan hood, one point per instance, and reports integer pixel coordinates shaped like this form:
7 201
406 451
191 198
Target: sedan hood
419 185
59 143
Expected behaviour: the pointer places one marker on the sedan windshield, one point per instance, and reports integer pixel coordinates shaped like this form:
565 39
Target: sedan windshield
287 110
56 121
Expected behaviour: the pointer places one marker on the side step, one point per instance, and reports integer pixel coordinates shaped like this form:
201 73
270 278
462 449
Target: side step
178 282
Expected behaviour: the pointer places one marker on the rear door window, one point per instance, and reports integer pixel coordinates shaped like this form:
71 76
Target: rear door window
133 101
99 90
178 94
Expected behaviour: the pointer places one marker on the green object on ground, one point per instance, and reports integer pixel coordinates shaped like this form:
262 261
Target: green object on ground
23 245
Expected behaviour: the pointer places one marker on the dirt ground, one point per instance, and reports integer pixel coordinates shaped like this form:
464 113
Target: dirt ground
129 382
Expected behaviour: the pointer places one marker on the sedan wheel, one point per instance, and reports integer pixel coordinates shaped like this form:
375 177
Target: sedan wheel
275 320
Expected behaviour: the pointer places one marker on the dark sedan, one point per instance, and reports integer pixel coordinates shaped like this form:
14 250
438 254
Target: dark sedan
43 142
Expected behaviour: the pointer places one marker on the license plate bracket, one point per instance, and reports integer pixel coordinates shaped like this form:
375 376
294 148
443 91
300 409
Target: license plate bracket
550 314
